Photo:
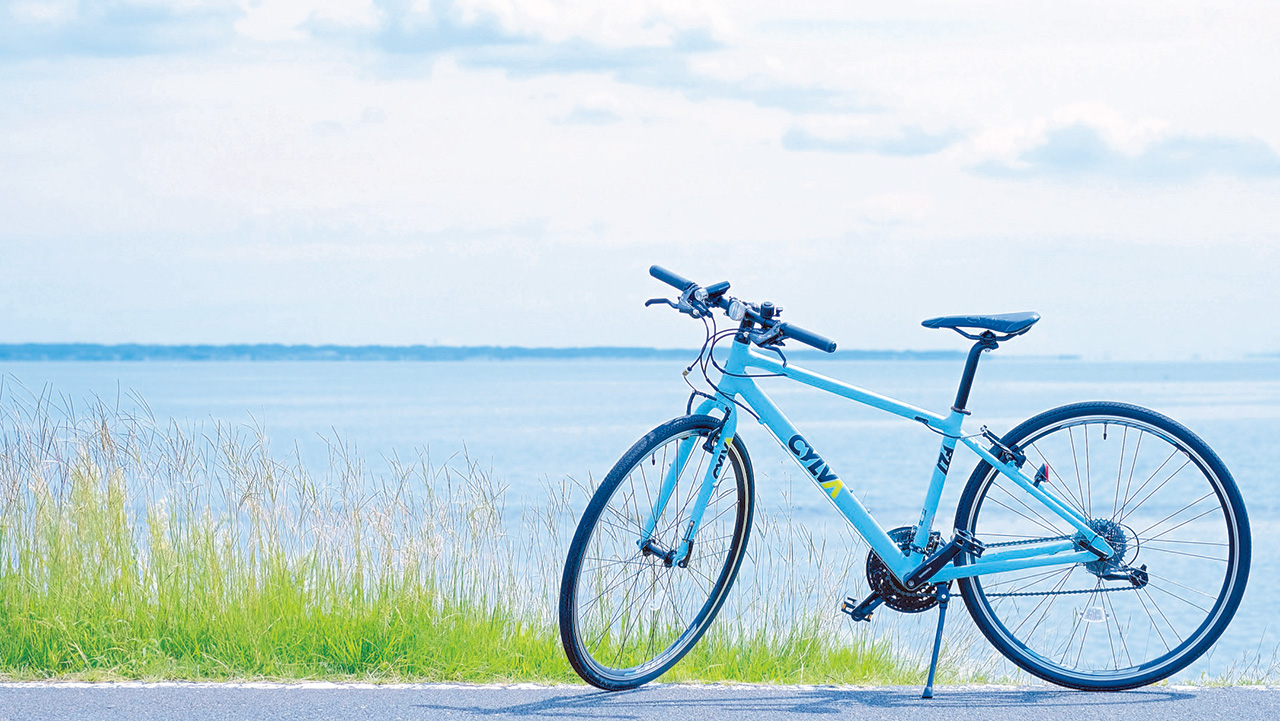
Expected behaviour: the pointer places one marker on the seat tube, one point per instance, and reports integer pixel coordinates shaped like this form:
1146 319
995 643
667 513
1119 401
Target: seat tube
933 495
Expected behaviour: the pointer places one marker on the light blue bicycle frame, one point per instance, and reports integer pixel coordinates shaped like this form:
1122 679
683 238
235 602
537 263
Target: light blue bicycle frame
1086 545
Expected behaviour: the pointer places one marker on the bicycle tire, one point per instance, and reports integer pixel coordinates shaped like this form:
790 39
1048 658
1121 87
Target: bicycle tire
1154 629
607 576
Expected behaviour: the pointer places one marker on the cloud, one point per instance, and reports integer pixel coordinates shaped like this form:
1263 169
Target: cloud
582 115
1080 149
410 29
909 142
663 68
481 42
113 29
647 44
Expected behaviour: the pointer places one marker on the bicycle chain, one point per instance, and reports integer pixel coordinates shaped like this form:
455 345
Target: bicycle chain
1047 593
1028 541
1060 593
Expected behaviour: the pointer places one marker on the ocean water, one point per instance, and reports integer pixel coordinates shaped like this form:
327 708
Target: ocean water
536 422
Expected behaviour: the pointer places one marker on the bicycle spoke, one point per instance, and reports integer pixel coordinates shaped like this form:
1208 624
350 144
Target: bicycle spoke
1151 586
635 532
617 583
1183 553
1035 579
1209 596
1115 502
1180 525
1048 601
1043 524
1164 512
1119 632
614 561
648 494
614 619
1061 487
1075 459
1017 497
1184 541
633 609
626 632
1107 619
1082 622
671 596
1172 628
1147 482
1154 625
1088 474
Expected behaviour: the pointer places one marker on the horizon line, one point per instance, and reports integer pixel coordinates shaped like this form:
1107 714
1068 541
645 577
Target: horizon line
333 351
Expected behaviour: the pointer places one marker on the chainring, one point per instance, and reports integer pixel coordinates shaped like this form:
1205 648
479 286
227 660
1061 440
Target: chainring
884 584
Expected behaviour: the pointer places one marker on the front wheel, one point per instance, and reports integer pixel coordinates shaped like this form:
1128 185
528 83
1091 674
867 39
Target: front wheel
628 613
1161 498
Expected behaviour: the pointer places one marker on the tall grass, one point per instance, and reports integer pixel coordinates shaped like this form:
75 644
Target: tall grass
133 549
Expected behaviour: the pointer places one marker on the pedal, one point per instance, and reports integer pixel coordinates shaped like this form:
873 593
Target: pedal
963 542
861 611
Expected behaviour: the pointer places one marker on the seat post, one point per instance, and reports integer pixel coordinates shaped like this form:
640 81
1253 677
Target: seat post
987 341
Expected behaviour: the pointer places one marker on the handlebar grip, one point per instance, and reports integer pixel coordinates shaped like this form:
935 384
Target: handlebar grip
808 337
675 281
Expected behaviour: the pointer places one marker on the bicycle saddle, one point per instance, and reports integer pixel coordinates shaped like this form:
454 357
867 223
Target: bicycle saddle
1012 323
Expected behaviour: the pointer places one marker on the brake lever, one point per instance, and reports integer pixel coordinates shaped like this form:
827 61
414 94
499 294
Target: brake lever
776 349
687 304
770 340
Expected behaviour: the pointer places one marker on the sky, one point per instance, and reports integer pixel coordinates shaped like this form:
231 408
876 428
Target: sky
504 172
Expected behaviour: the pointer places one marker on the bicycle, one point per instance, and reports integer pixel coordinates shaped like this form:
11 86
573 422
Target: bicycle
1094 517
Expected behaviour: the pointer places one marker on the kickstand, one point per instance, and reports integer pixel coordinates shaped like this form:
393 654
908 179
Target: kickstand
944 594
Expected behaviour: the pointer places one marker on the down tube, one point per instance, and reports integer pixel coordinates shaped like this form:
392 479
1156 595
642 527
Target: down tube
830 485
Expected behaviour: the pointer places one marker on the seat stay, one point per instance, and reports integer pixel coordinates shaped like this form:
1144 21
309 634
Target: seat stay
1091 539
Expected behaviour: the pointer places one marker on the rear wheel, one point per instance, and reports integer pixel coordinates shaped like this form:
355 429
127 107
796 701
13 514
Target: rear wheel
627 614
1167 504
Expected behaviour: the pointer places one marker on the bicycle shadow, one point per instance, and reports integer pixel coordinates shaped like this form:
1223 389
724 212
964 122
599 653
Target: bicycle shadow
678 702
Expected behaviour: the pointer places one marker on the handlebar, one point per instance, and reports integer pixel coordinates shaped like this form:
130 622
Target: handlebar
714 296
678 282
808 337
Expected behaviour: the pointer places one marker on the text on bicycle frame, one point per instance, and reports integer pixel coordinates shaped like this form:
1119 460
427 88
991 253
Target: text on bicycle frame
813 463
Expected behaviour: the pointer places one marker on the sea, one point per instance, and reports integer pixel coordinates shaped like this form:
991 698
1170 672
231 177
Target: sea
535 422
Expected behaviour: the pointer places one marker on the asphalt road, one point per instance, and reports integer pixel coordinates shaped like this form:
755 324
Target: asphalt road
286 702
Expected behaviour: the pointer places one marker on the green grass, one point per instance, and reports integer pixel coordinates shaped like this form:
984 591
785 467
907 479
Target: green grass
135 551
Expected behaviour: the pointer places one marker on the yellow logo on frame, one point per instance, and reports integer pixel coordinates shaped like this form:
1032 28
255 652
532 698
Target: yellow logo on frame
834 485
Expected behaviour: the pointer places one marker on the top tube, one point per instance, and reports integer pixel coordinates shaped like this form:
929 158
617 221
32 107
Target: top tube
742 358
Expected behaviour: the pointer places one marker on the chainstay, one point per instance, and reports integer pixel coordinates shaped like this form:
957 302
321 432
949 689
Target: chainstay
1048 593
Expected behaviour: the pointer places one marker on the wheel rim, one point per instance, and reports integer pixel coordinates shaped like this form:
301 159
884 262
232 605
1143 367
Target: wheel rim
634 614
1159 500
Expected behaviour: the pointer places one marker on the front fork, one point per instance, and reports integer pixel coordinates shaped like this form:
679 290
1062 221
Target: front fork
718 450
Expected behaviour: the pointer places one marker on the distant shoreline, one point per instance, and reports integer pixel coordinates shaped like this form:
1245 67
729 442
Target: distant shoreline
280 352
